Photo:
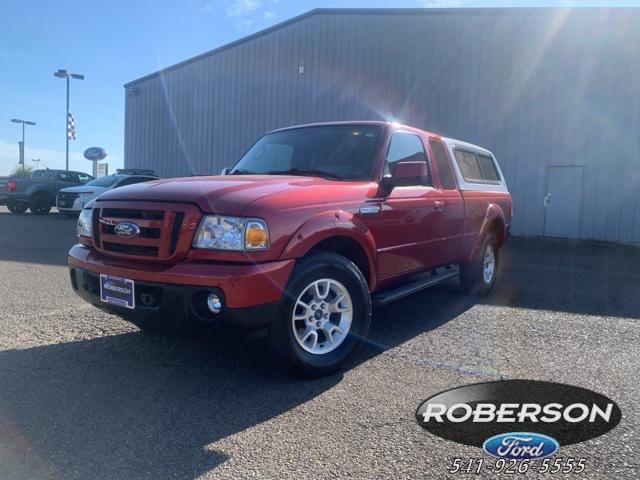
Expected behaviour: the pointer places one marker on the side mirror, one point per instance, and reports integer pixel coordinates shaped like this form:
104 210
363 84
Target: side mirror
225 171
406 174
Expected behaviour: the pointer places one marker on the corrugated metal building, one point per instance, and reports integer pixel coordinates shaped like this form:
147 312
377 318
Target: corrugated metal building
554 93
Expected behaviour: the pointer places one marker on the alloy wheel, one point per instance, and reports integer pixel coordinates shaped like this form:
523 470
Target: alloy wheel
322 316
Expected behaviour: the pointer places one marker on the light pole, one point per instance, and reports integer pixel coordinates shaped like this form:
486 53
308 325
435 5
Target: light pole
65 74
23 122
36 161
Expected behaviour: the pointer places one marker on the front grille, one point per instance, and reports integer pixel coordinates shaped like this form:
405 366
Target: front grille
175 232
144 232
95 226
131 249
131 214
161 227
66 199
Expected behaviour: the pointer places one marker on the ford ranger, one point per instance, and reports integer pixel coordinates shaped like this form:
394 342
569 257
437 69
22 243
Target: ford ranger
38 193
310 228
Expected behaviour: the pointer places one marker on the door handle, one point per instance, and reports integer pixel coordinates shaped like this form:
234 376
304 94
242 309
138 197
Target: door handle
439 205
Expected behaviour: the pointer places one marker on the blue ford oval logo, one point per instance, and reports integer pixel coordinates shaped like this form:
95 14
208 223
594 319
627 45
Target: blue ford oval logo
127 229
521 446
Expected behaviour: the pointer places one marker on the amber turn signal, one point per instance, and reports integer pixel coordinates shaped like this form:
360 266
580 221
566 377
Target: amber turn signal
256 236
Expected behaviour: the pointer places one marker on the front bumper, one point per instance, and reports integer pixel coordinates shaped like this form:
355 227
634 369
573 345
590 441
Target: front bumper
173 300
75 207
250 292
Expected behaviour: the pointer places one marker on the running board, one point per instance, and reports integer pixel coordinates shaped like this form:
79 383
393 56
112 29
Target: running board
427 280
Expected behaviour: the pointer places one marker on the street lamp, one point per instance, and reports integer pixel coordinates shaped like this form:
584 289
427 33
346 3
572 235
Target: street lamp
23 122
65 74
36 161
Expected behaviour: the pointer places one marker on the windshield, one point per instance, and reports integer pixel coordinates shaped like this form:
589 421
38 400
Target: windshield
105 181
344 152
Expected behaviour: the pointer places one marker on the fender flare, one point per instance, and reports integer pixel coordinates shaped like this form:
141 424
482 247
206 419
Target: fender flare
325 225
493 213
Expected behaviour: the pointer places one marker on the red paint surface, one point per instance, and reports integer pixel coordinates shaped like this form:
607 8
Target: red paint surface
417 228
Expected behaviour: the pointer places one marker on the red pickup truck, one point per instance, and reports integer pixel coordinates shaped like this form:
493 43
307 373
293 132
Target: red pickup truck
312 226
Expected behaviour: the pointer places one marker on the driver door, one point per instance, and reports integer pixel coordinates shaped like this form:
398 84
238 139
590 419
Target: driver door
403 229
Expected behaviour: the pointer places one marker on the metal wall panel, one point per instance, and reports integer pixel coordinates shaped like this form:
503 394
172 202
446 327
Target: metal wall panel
538 87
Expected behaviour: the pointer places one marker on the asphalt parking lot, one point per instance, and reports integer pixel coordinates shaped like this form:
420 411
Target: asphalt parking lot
86 395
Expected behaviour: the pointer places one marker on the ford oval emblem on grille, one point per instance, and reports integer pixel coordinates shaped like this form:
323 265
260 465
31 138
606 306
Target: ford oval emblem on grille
127 229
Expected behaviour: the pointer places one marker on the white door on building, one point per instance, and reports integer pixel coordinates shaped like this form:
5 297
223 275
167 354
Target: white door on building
563 201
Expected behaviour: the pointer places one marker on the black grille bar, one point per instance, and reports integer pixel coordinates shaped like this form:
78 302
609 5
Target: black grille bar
175 232
142 250
132 214
95 226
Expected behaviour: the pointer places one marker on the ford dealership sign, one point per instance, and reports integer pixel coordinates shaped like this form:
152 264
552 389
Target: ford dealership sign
521 446
518 419
95 154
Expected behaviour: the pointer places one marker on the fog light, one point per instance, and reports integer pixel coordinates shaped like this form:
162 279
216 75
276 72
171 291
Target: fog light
214 303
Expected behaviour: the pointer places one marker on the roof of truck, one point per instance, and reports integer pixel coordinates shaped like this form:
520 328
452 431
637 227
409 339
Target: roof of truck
382 123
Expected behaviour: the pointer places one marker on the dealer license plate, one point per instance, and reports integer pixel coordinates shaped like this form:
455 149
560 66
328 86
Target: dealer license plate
117 291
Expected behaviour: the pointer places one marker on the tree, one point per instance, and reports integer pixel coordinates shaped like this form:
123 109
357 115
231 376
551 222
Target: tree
19 172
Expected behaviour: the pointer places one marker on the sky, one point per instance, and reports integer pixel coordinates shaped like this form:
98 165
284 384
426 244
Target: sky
117 41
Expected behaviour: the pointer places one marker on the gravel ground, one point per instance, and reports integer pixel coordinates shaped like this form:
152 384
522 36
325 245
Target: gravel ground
86 395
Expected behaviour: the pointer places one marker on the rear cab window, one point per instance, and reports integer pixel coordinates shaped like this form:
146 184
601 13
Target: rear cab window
476 168
43 175
443 164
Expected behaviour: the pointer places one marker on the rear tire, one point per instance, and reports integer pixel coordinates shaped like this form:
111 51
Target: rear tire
17 208
478 276
40 204
324 316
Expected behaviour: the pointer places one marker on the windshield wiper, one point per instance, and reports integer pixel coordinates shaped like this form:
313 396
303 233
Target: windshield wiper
305 171
242 171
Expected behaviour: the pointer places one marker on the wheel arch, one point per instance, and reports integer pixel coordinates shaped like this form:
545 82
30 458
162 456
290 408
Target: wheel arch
43 193
493 222
338 232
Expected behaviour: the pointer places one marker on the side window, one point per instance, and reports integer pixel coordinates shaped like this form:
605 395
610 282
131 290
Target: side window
443 164
68 177
469 167
488 169
404 147
84 178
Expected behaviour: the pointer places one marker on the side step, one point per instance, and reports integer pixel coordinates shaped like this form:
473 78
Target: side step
412 286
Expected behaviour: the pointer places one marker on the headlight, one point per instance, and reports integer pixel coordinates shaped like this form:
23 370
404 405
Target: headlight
217 232
84 223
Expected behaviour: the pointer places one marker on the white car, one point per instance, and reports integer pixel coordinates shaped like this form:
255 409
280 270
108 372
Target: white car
72 200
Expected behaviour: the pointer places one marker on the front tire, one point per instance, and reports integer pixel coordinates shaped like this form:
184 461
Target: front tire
479 275
40 204
324 316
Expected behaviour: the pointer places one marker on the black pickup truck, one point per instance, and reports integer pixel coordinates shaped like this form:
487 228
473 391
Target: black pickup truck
39 192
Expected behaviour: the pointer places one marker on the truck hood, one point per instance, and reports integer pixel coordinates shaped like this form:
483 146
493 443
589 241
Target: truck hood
232 194
83 189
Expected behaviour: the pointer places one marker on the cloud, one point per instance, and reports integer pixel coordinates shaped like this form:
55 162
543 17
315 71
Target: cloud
202 9
242 8
269 14
48 158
